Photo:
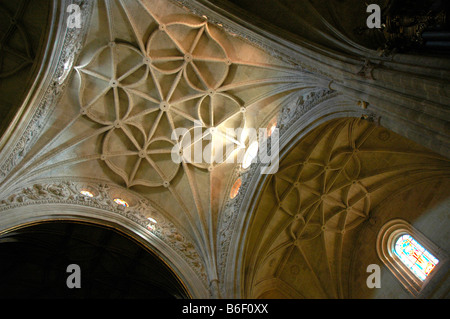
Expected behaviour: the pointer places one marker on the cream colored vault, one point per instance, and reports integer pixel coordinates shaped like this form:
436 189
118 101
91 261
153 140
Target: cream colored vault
146 68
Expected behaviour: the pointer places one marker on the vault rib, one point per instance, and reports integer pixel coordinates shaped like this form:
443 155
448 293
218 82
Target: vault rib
153 129
137 36
52 153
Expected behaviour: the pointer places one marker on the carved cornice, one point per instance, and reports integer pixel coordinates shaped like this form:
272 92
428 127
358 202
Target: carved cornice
293 111
68 193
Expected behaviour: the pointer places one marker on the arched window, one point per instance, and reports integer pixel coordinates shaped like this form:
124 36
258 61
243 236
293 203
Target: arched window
419 260
409 255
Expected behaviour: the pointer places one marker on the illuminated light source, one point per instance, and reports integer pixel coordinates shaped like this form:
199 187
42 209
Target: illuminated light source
250 155
121 202
271 127
86 193
235 189
152 223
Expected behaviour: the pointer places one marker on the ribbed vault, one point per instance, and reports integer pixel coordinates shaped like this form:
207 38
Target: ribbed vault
152 84
141 120
24 28
311 214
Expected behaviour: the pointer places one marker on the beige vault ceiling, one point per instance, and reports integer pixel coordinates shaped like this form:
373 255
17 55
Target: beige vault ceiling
148 68
315 221
145 69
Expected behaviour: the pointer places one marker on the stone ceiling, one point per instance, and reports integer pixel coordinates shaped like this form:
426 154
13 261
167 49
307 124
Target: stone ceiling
23 26
145 84
148 69
315 221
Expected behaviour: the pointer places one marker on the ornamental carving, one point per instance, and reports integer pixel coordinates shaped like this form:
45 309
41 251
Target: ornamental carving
69 193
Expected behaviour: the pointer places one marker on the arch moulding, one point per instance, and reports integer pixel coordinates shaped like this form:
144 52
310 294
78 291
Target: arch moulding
295 121
61 201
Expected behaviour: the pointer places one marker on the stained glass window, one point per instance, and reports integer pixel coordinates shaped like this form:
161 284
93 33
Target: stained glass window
419 260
